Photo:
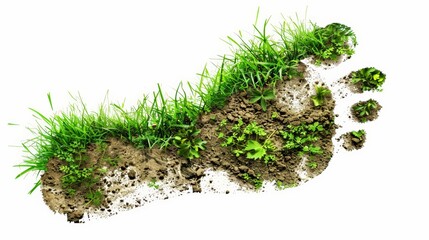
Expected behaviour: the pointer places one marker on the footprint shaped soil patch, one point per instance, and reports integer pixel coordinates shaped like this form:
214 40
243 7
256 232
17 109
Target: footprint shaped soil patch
265 121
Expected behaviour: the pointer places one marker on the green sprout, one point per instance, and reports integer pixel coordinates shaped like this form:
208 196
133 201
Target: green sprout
321 94
262 96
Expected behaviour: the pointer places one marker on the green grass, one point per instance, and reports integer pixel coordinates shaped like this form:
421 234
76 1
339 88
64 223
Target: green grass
254 63
263 60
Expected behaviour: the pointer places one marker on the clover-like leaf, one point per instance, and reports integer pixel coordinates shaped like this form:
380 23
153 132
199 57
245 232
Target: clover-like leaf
254 150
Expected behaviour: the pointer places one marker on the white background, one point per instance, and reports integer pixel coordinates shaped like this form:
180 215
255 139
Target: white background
126 47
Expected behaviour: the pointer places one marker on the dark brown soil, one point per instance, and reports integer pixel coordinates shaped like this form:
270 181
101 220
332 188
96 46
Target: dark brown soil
372 114
136 167
351 142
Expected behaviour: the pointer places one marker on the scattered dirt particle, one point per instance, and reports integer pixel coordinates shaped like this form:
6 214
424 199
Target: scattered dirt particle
132 174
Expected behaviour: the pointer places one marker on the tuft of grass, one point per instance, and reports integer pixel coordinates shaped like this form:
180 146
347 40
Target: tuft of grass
156 120
263 60
68 134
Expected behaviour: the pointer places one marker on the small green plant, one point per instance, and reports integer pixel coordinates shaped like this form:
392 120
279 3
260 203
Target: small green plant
250 140
223 123
78 174
257 151
255 180
275 115
258 183
111 161
314 127
320 96
281 186
102 170
187 142
70 191
360 134
253 129
95 197
153 184
364 109
262 96
312 165
212 117
245 176
301 138
370 78
75 174
313 150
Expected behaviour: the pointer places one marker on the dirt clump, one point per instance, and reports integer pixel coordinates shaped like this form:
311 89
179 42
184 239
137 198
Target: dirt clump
352 142
371 114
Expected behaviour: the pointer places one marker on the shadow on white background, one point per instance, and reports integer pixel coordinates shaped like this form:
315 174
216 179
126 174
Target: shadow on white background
126 47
